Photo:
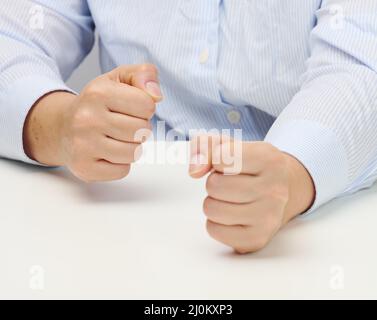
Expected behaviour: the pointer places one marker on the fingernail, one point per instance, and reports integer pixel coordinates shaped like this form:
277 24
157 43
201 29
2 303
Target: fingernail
153 88
197 162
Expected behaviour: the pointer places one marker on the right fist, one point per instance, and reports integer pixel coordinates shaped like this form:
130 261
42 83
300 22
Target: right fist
104 126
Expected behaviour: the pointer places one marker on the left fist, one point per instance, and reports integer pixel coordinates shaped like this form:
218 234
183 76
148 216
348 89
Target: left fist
253 189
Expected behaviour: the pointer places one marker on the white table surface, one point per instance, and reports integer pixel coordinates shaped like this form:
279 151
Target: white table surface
144 238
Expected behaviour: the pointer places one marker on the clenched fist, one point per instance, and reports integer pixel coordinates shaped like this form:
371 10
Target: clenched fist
253 190
97 134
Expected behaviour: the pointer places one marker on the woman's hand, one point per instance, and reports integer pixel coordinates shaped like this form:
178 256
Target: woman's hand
253 190
97 134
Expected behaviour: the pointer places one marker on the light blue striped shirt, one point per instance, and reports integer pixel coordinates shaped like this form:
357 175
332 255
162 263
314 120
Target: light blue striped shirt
300 74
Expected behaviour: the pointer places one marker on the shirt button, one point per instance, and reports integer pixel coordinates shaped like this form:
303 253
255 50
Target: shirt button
234 117
204 56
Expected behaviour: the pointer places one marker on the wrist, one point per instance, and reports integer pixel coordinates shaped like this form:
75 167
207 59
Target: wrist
301 189
44 128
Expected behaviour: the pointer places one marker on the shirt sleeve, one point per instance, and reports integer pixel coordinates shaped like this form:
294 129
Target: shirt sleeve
41 43
330 126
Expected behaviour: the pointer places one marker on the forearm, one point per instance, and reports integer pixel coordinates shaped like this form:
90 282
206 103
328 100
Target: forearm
33 63
43 128
330 124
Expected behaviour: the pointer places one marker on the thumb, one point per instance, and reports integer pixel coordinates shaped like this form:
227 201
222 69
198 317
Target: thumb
143 77
146 79
202 150
201 147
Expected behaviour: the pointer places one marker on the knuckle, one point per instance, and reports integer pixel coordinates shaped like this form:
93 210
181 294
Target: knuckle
207 207
123 172
242 250
148 67
120 68
255 245
144 125
136 152
213 183
126 170
211 230
147 127
260 243
94 91
150 108
83 118
93 176
143 133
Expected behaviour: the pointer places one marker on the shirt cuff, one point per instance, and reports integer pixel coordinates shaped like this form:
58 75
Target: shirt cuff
15 104
320 152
